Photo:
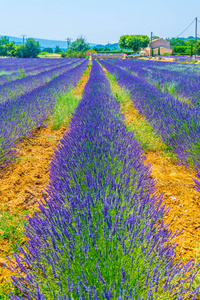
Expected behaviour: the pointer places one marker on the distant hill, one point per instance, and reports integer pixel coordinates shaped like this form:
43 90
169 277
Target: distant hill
43 42
17 41
53 43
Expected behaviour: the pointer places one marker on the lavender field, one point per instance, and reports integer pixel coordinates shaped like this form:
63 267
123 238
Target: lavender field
176 121
100 231
26 102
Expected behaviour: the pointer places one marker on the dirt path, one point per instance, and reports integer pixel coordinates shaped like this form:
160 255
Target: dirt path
23 182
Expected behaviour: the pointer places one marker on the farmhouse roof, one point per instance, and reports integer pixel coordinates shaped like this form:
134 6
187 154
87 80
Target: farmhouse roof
160 43
158 39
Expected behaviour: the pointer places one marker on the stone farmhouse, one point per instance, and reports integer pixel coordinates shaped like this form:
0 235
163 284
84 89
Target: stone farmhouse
164 46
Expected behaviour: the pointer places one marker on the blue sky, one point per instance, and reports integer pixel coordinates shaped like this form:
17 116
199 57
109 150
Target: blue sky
99 21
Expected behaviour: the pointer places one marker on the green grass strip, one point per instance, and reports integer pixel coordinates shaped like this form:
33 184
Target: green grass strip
67 103
143 131
12 236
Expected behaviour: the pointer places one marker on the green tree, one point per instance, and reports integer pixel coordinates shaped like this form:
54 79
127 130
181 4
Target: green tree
155 37
11 47
158 50
79 45
133 42
106 49
189 42
122 41
31 49
181 50
177 42
191 50
4 40
57 49
97 49
198 47
48 50
7 48
19 51
74 54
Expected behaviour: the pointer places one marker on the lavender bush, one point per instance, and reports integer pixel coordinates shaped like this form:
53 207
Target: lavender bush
19 117
197 182
11 69
100 233
14 89
182 81
177 123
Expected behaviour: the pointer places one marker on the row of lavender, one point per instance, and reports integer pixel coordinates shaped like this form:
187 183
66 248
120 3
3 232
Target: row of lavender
97 236
13 69
181 58
20 117
177 123
13 64
183 81
10 64
13 89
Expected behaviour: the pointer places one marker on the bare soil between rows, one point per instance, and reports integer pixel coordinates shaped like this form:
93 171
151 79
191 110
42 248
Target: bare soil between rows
23 182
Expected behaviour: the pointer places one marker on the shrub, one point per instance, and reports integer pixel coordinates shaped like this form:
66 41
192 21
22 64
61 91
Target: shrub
48 50
63 55
74 54
182 49
43 53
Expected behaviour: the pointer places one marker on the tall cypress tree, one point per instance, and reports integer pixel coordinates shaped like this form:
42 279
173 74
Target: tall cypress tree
191 50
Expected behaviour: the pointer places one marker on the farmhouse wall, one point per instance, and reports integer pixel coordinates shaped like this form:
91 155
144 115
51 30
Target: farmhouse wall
162 50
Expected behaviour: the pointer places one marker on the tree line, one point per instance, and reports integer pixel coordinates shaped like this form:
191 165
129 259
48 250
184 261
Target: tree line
179 45
81 49
184 46
78 48
30 48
